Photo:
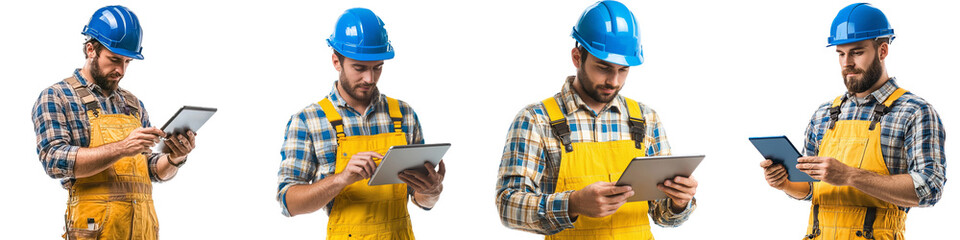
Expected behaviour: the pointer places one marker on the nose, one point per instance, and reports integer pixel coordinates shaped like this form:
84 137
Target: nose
846 61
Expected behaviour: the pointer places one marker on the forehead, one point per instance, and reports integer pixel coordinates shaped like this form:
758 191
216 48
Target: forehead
865 44
354 62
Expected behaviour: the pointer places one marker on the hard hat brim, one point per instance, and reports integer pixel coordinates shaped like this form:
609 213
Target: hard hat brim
853 40
126 53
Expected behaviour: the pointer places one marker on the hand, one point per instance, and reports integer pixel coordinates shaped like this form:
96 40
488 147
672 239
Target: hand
139 141
179 146
428 184
775 174
680 190
826 169
598 199
360 166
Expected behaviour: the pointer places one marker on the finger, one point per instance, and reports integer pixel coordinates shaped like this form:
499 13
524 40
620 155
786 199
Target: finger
153 131
443 169
192 134
678 187
766 163
416 181
685 181
369 167
429 167
773 168
417 186
184 142
614 190
420 176
675 194
620 198
779 175
775 171
174 146
809 159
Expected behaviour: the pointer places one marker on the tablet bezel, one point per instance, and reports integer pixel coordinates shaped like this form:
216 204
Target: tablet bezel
379 178
664 167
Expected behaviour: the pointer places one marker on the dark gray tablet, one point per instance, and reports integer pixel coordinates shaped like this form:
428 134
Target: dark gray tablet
404 157
644 173
781 151
187 118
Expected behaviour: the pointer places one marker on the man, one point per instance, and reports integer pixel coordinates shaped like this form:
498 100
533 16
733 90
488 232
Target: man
332 147
563 154
877 149
96 137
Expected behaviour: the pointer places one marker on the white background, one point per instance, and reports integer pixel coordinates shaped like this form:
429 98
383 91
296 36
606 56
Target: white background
717 72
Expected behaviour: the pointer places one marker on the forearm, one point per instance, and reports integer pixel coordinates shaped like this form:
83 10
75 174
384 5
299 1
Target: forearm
897 189
307 198
165 170
797 190
91 161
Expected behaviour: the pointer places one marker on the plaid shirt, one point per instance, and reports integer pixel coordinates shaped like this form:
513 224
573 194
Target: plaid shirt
526 195
310 145
911 137
62 128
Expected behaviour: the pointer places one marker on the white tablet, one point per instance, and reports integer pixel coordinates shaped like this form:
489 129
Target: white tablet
404 157
644 173
187 118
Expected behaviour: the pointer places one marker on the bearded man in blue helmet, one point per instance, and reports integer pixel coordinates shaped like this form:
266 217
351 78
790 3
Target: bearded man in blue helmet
96 137
562 154
877 150
333 145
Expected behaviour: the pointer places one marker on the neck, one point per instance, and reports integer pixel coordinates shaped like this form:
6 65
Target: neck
883 80
360 106
592 103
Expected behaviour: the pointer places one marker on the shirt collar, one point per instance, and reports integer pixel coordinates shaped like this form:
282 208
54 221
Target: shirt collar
572 101
339 101
880 94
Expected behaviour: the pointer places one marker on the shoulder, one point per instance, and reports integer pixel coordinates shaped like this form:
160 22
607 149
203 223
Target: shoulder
911 103
649 114
311 111
58 89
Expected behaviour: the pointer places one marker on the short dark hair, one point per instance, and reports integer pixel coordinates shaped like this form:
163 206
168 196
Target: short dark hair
339 56
97 47
583 52
881 40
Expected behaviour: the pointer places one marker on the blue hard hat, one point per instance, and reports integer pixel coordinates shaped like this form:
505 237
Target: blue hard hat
608 30
118 29
858 22
360 35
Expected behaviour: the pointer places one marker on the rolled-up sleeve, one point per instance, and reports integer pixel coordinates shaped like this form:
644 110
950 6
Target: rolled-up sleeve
298 163
52 128
657 145
924 144
521 201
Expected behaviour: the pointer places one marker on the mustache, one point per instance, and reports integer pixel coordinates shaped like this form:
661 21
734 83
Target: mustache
852 71
607 86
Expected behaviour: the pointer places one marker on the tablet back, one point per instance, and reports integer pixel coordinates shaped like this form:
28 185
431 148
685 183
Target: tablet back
780 150
644 173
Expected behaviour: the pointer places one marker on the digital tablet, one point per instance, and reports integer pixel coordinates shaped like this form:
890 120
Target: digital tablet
780 150
644 173
187 118
399 158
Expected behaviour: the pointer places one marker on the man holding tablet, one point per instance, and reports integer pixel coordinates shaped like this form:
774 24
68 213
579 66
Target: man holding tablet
333 145
877 149
96 137
563 155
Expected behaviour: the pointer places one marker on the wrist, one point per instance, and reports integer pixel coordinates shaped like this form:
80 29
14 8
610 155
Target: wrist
176 161
572 209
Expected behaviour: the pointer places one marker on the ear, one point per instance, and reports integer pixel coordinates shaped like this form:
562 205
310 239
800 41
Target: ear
883 50
575 55
336 62
89 50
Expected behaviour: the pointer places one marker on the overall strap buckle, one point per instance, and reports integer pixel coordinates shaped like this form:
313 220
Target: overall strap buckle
638 126
868 219
816 223
558 122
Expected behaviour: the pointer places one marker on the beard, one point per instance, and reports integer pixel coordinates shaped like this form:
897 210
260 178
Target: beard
351 89
101 79
870 77
593 91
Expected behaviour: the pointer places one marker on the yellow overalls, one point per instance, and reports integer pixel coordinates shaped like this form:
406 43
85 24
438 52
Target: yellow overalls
117 199
361 211
845 212
584 163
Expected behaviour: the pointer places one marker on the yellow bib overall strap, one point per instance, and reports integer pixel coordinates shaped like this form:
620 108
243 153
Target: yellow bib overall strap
115 203
361 211
845 212
558 122
600 161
